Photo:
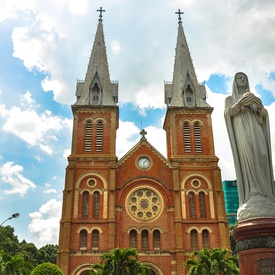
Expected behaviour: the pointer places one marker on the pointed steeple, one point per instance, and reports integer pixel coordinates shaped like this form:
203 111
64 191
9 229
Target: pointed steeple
184 90
97 89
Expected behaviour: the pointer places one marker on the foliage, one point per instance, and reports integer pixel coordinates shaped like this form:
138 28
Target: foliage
216 261
47 268
22 256
14 265
119 262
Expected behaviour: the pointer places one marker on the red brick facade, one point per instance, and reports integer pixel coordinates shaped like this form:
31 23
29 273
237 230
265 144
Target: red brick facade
164 207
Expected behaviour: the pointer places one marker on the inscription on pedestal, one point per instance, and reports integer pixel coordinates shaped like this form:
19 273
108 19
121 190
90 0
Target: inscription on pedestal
266 266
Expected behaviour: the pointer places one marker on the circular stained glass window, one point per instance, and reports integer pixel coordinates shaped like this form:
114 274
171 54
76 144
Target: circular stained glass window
144 204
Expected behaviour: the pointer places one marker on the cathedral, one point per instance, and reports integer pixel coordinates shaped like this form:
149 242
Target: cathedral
165 207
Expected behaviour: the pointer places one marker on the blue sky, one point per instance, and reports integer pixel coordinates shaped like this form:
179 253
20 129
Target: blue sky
44 48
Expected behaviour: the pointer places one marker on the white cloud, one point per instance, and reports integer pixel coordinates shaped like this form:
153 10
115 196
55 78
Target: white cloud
115 46
127 137
45 222
12 175
35 129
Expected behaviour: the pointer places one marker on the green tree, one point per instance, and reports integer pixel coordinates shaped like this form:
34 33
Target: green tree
8 241
120 262
216 261
46 269
14 265
48 253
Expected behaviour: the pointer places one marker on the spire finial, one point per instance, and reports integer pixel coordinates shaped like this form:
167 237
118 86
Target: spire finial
100 13
179 13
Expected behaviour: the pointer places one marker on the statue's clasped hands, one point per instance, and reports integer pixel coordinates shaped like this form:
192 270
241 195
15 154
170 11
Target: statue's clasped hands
249 99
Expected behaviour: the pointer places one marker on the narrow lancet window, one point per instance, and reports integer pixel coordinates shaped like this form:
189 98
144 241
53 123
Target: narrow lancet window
133 238
88 136
186 137
96 204
197 136
192 205
85 204
194 239
99 136
83 239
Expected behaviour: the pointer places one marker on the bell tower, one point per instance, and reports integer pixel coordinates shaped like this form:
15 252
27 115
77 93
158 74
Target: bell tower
88 197
198 196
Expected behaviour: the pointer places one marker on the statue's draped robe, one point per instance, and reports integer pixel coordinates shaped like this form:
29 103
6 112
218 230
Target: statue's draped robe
249 136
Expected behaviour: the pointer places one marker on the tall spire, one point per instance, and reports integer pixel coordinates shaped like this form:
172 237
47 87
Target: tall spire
97 89
185 89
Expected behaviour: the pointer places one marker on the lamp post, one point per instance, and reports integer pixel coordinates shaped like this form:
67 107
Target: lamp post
13 216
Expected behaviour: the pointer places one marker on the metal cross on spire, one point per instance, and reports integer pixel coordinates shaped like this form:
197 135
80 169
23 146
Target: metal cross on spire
143 133
100 12
179 13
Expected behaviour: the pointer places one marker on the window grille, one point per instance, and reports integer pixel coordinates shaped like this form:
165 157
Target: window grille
83 239
133 238
99 136
192 204
202 205
95 239
144 240
96 204
186 136
197 135
88 136
85 204
205 239
156 239
194 239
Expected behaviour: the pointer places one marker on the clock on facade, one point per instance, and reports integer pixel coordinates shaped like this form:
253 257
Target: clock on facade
143 163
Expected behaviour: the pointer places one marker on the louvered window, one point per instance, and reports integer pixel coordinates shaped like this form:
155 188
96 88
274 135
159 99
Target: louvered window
205 239
99 136
133 238
96 204
83 239
192 205
95 239
144 240
88 136
197 136
194 239
202 205
156 239
85 204
186 136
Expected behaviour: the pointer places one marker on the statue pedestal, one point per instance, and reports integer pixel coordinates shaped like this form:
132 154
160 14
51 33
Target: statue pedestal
255 243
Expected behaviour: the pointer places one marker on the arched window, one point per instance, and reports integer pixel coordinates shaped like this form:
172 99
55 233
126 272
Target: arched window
88 136
197 135
95 239
96 204
85 204
144 240
99 136
83 239
156 239
202 205
194 239
186 137
192 205
133 238
205 239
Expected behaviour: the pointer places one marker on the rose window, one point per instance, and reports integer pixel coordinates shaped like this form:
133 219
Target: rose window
144 204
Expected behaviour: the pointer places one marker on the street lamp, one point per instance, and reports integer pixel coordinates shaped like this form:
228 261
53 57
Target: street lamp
13 216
